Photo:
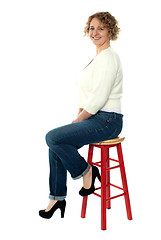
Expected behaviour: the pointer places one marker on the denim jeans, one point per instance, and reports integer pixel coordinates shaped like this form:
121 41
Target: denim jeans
65 141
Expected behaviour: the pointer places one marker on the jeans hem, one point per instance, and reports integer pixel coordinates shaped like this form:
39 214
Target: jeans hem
59 198
84 173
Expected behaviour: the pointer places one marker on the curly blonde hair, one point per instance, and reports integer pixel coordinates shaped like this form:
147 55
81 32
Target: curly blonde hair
108 21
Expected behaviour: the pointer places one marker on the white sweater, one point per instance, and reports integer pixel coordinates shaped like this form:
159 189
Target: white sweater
100 83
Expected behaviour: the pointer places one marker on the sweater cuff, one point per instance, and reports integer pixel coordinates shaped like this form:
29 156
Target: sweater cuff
91 110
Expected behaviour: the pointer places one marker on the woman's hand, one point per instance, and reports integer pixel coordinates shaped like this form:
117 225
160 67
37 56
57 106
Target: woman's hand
74 121
82 115
79 111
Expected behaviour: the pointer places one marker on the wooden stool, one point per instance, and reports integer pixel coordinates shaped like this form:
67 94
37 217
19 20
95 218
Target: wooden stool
104 164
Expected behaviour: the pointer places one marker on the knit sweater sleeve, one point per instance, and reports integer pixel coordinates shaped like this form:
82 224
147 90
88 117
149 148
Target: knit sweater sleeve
101 83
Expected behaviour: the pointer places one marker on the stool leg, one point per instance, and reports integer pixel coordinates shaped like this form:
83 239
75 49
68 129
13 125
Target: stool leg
84 202
108 203
124 182
103 188
84 206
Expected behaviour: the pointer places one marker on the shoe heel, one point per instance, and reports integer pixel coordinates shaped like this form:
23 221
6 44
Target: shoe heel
98 175
62 209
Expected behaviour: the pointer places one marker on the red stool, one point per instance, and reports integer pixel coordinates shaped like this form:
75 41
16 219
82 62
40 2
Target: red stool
104 164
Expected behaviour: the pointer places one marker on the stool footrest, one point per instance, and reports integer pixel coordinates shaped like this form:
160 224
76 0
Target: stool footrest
110 198
112 167
116 186
98 164
115 196
113 160
98 188
98 195
113 185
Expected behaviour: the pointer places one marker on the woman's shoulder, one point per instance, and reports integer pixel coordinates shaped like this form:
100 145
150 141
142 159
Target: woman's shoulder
107 56
109 53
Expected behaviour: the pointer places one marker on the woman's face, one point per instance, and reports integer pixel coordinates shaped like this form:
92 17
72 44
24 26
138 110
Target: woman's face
98 33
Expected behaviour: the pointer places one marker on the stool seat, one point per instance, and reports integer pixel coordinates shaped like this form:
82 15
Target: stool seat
110 141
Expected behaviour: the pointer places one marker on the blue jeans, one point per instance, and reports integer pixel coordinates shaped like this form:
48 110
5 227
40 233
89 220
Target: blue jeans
65 141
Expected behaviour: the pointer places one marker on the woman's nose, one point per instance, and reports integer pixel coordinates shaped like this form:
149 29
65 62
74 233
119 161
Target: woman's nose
95 32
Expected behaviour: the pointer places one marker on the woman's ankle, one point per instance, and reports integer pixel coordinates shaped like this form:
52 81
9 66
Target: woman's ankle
50 205
87 179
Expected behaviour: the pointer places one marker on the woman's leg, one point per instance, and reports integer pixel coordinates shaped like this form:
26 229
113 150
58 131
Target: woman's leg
57 178
64 142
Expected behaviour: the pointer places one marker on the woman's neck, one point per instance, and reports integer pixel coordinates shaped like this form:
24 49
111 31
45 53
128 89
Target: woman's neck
101 48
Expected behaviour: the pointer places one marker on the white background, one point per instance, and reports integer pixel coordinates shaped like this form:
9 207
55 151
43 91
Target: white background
42 50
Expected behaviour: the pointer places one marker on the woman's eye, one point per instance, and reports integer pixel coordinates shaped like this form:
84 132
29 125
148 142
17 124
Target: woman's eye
92 28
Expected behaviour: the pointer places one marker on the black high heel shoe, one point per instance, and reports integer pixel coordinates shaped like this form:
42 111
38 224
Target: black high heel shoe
49 214
95 173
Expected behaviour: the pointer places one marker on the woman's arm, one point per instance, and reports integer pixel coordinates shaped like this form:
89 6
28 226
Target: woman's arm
79 111
83 115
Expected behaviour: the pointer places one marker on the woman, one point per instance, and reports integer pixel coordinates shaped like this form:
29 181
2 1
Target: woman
99 116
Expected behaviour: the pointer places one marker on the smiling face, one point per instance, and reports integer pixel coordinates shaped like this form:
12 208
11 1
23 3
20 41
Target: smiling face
99 34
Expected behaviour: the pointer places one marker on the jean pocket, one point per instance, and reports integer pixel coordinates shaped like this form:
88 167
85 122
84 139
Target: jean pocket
105 117
113 119
117 121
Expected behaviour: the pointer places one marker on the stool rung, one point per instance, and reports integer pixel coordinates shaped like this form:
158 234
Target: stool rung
98 164
98 188
112 167
98 195
115 196
113 185
113 160
116 186
120 195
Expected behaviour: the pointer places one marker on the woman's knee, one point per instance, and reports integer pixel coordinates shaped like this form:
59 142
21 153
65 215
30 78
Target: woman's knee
50 138
59 135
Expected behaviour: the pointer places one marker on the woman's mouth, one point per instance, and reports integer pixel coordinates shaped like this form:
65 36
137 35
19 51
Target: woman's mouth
96 38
